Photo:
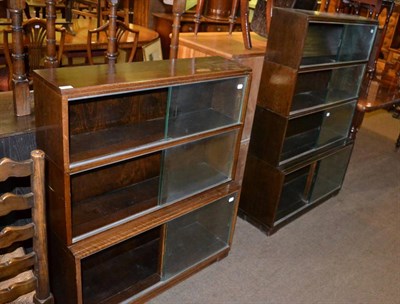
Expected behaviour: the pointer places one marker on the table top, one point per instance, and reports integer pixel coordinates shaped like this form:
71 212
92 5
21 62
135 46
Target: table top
42 3
223 44
382 91
80 27
77 42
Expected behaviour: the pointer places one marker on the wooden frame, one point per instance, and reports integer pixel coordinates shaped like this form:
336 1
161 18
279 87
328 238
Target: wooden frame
152 51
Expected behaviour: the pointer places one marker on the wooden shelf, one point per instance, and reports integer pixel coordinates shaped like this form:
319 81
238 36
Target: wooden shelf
127 268
94 144
100 211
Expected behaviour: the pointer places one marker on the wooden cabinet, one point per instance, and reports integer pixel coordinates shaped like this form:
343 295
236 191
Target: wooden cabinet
163 25
300 144
141 172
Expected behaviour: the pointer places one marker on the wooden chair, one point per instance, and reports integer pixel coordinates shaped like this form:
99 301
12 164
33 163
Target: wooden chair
35 34
263 13
122 30
225 10
372 8
16 276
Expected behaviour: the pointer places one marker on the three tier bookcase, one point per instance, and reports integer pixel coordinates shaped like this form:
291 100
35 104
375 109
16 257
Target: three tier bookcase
141 162
300 143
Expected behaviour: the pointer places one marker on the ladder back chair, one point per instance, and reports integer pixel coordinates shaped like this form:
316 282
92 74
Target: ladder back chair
123 33
34 45
24 273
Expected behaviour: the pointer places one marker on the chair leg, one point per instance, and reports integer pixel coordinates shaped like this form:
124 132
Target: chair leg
244 15
197 15
232 17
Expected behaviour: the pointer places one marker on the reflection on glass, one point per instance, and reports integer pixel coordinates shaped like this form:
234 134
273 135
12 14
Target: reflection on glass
336 124
307 133
196 236
204 106
331 43
329 86
330 173
197 166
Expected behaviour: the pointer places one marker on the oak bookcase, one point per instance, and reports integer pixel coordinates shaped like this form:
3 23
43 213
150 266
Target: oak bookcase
141 162
300 142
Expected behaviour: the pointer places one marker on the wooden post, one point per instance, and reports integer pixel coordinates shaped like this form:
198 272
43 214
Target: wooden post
51 60
20 82
43 294
178 9
112 51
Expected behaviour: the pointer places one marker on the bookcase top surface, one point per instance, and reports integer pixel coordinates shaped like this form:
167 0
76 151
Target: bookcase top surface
317 16
107 79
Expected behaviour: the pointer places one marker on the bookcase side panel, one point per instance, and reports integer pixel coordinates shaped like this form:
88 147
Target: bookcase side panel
50 133
290 36
277 88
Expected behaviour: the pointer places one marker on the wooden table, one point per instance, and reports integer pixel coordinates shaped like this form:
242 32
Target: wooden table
77 42
378 93
38 5
381 92
81 26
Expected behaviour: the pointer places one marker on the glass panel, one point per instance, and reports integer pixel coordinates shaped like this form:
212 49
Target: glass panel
357 42
105 195
307 133
330 43
205 106
198 235
122 270
103 125
329 86
197 166
292 197
330 174
336 124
